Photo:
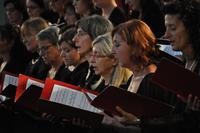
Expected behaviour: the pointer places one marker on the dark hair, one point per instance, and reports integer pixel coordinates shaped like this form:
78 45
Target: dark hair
71 7
188 12
10 33
67 37
18 6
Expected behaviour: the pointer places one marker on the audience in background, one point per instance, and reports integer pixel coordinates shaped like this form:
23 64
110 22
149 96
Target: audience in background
149 12
13 52
15 12
111 11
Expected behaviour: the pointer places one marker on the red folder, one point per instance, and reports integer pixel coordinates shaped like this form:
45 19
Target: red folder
61 108
138 105
177 79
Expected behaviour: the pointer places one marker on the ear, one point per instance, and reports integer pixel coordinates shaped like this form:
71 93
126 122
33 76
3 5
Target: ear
115 61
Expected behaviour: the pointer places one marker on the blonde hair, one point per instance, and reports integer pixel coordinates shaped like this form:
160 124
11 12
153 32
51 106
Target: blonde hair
37 24
104 45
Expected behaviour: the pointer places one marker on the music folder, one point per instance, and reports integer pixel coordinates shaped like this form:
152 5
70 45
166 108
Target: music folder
68 112
8 79
133 103
175 78
9 91
69 102
29 98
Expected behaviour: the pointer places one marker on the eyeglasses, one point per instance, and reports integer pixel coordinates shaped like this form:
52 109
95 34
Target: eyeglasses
95 55
44 49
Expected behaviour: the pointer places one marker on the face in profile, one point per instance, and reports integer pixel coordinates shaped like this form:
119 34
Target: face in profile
13 15
80 6
103 64
69 54
176 33
30 41
122 51
70 16
47 51
33 9
83 42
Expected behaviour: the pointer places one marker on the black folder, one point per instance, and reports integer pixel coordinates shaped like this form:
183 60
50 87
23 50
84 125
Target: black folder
30 98
177 79
133 103
9 91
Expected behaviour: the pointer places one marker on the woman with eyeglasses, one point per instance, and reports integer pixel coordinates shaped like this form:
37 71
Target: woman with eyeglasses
106 64
36 68
88 28
47 46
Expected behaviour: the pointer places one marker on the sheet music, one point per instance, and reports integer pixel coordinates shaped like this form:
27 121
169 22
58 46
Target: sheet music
92 96
9 79
71 97
33 82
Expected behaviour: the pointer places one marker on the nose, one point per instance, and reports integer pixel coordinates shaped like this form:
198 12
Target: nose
92 60
74 38
167 34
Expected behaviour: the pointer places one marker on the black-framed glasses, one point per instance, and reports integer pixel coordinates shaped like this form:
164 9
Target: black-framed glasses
44 49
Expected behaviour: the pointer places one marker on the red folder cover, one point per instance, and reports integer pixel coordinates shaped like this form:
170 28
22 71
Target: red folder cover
138 105
24 83
177 79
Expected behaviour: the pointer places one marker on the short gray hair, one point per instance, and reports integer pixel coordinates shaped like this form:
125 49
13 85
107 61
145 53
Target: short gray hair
104 44
95 25
50 34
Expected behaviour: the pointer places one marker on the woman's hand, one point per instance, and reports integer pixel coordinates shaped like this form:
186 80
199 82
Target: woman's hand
127 118
193 103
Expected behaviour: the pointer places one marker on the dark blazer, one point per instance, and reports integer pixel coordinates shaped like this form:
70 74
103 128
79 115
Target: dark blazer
63 74
117 16
38 69
19 58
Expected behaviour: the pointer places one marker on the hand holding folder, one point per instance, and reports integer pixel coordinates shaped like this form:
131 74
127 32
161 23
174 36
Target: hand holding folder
69 102
136 104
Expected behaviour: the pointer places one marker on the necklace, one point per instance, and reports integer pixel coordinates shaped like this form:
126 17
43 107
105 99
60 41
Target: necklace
193 64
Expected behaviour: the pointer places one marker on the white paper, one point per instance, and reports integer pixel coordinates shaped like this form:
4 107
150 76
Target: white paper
71 97
9 79
33 82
